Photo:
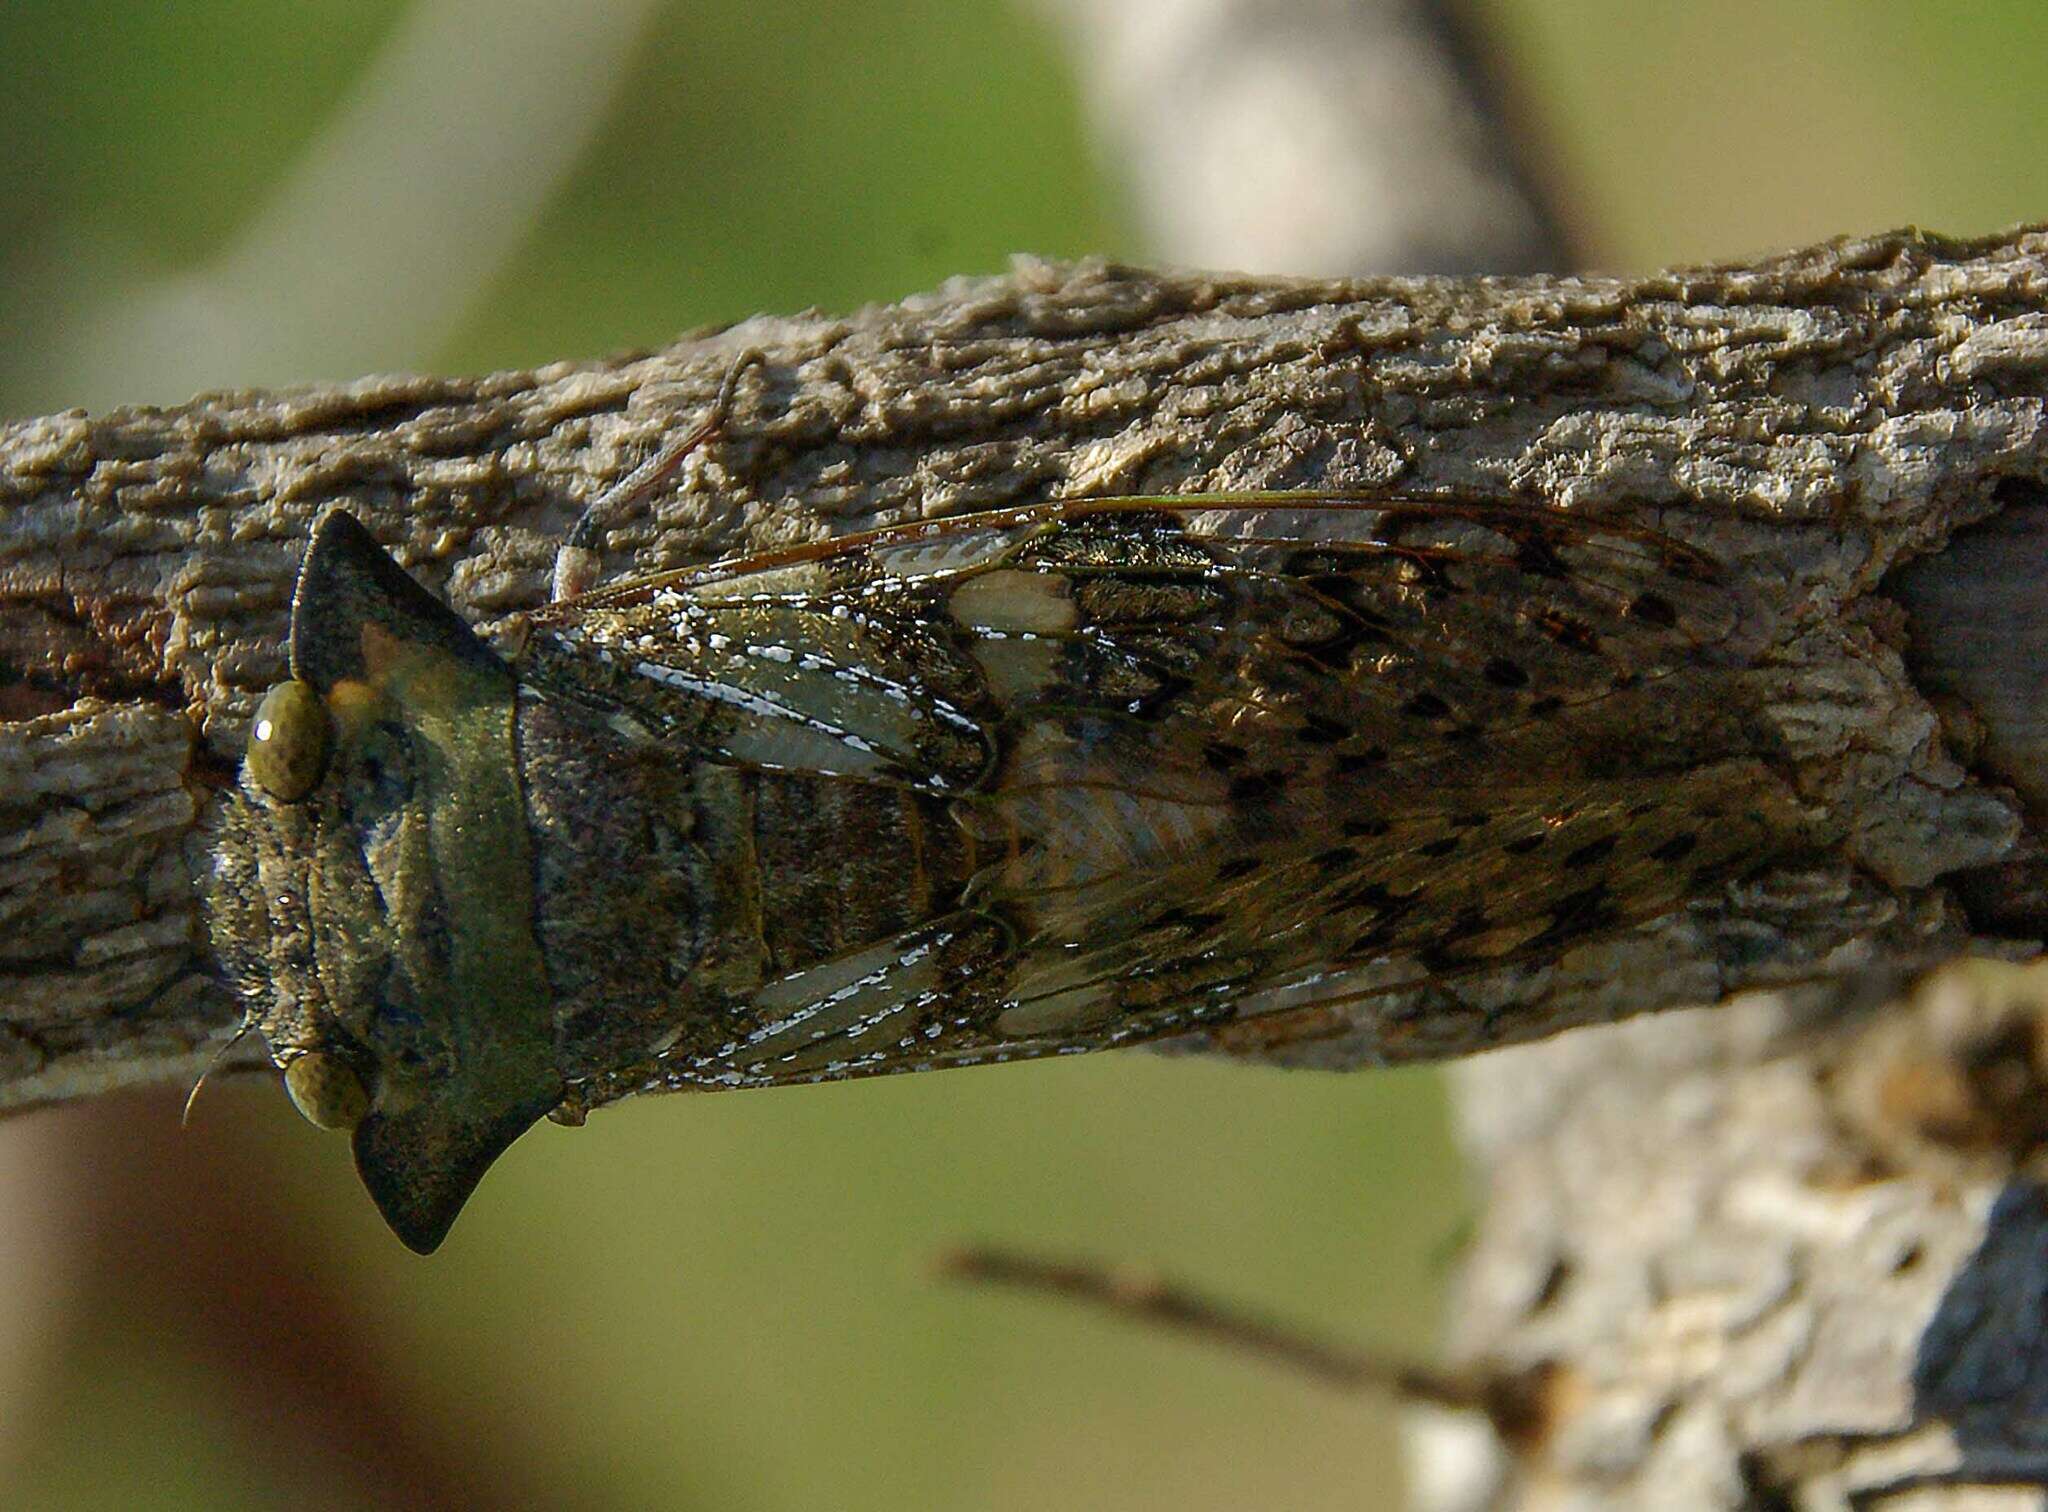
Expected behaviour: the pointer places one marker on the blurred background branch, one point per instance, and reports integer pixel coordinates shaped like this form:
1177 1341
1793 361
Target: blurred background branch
355 252
1319 136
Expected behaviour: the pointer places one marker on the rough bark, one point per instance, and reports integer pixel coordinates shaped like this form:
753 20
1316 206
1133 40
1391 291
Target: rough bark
1769 1257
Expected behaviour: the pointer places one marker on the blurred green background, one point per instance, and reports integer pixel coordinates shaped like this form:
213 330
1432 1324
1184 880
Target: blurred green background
720 1302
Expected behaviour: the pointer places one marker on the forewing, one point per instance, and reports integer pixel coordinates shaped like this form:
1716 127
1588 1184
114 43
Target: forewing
1380 631
834 667
1210 748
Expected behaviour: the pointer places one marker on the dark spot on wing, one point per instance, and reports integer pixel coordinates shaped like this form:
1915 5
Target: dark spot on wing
1336 587
1253 786
1576 914
1676 849
1375 896
1572 634
1652 609
1447 953
1592 852
1503 673
1534 555
1371 943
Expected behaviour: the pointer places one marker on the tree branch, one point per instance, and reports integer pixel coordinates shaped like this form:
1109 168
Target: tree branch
1812 420
1782 1259
1512 1404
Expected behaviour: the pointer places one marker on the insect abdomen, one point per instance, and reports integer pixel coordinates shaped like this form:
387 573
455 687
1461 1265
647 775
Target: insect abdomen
845 864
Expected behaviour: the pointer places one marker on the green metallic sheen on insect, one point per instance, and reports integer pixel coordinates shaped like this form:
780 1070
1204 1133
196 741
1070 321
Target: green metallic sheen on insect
1053 779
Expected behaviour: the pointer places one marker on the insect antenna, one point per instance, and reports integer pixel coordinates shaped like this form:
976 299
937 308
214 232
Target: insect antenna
213 1065
577 563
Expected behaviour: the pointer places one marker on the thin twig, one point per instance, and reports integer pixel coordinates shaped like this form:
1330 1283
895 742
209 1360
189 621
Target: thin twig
1516 1401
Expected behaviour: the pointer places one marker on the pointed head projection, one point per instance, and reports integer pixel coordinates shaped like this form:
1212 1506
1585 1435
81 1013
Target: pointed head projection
372 890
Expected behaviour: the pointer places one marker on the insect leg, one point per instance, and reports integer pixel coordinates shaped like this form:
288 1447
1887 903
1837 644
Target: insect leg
578 562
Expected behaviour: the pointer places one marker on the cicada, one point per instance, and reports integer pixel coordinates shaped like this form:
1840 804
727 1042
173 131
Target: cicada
1083 774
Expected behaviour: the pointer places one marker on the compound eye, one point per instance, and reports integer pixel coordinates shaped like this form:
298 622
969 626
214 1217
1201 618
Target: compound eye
289 741
324 1089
